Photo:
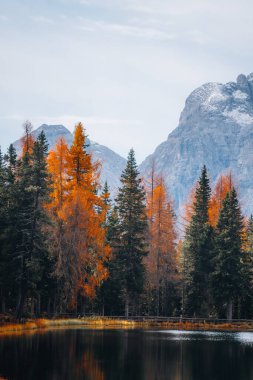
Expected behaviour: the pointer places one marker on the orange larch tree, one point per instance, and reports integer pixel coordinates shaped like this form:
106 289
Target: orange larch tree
189 205
161 262
57 165
223 186
78 207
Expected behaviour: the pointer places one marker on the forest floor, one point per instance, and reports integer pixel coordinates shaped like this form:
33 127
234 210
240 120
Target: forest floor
34 325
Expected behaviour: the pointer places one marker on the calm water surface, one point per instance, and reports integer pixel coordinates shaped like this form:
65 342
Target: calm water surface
127 355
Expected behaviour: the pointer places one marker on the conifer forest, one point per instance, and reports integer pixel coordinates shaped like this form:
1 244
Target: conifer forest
68 247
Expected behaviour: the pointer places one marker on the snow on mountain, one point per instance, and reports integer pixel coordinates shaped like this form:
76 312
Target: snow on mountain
216 129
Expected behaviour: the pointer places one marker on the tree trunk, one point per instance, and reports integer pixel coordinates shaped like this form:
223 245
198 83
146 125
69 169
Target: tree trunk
3 304
39 305
48 306
20 303
157 298
32 307
21 291
83 308
127 306
54 305
230 310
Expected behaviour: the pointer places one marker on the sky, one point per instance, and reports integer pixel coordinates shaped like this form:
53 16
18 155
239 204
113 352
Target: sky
122 67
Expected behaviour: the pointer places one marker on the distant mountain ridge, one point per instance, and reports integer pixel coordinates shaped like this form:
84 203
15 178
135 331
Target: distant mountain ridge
216 129
112 163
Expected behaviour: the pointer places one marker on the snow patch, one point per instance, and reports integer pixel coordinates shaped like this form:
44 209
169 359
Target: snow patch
239 117
215 97
239 95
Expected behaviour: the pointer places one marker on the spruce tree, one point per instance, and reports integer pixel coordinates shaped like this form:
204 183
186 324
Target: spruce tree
41 262
31 250
246 301
112 290
2 232
198 248
130 205
8 235
106 202
228 280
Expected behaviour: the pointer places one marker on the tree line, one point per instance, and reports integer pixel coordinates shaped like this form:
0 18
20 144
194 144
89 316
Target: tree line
67 247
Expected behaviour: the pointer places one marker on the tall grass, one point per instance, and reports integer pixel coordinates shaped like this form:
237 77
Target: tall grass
103 322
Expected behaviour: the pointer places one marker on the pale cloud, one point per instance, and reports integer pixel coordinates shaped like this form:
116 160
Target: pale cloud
70 121
43 20
125 30
123 68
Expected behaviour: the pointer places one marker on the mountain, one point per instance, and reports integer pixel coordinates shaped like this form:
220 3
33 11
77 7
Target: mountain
112 163
215 129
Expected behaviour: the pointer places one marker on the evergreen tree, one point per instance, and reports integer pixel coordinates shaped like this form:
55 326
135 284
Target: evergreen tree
105 196
31 250
198 250
228 280
250 234
246 302
130 204
8 235
111 292
2 232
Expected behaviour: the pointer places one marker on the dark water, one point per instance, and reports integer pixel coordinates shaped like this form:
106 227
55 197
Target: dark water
127 355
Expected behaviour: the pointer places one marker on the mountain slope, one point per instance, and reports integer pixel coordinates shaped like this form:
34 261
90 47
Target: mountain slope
216 129
112 163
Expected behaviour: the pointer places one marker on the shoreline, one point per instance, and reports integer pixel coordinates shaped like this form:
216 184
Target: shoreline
40 325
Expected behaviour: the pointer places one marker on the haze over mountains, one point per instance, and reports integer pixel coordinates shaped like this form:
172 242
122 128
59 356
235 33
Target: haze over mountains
215 129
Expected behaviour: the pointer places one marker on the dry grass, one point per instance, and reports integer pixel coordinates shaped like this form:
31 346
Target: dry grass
41 324
101 323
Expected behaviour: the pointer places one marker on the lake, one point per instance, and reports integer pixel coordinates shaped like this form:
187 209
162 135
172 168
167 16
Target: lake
75 354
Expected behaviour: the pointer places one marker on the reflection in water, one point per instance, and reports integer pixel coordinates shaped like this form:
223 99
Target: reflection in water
127 355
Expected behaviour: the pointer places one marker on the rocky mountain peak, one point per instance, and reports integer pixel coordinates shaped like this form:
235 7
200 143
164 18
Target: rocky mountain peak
216 129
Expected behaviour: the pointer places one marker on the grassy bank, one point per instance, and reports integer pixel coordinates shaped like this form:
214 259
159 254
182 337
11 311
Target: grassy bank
35 325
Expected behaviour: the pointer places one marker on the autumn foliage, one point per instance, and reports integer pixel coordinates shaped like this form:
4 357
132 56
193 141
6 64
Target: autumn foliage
66 247
79 212
223 186
161 262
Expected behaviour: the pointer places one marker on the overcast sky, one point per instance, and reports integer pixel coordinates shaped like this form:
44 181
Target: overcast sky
122 67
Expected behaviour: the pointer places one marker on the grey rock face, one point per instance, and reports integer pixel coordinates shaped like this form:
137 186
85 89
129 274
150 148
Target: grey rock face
112 163
215 129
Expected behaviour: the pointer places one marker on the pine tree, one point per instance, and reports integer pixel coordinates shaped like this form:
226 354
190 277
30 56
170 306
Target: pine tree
2 233
111 292
41 263
31 252
228 267
105 196
245 302
130 204
249 236
198 248
9 208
